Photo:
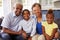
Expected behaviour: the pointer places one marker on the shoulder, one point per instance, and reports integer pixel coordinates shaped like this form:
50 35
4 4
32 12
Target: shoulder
32 20
21 21
8 15
55 25
44 23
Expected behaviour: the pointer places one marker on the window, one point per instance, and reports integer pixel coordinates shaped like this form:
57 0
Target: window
45 2
1 9
28 3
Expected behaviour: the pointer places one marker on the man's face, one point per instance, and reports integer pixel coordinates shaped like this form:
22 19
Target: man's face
50 18
36 10
18 9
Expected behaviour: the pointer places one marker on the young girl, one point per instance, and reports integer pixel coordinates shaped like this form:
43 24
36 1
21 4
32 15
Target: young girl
28 25
50 27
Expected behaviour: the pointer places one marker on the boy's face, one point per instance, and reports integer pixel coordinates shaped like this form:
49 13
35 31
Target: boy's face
36 10
50 18
26 15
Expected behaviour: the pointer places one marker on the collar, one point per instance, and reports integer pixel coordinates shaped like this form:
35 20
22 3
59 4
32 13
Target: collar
14 15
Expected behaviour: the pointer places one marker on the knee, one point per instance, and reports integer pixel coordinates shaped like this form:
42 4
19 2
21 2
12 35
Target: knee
19 37
5 36
41 37
35 37
56 35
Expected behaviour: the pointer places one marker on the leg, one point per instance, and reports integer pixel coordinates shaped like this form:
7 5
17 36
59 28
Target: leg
35 37
41 37
56 35
5 36
12 37
19 37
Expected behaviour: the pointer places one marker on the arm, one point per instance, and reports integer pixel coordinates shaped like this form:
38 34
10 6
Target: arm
6 24
53 33
24 34
47 37
33 28
11 32
43 30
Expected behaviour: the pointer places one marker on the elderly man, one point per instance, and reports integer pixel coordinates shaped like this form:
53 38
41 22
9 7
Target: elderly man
10 24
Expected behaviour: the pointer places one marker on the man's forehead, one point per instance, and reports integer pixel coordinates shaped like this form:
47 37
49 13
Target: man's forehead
19 5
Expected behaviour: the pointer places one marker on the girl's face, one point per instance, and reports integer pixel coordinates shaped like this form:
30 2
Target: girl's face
36 10
50 18
26 15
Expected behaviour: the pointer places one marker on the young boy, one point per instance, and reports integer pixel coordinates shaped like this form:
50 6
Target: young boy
28 25
50 28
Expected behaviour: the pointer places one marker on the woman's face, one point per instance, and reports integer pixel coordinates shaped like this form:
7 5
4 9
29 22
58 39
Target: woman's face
37 11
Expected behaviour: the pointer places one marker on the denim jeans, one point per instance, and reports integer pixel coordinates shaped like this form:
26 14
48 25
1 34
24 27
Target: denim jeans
11 37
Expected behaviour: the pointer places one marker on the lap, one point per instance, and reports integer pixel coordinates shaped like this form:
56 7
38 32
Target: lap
38 37
13 37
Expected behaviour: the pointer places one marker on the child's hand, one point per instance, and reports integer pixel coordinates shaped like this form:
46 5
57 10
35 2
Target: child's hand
30 38
20 32
47 37
51 37
24 35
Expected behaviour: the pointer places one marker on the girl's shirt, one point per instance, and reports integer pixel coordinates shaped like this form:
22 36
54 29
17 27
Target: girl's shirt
49 27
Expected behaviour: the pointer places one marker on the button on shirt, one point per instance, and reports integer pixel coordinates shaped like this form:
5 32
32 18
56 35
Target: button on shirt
28 26
11 21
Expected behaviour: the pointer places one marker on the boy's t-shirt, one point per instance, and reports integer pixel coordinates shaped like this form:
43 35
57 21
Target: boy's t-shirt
28 26
49 27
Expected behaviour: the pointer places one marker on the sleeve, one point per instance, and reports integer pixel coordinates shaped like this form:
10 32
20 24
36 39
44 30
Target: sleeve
20 26
6 22
43 24
55 26
33 28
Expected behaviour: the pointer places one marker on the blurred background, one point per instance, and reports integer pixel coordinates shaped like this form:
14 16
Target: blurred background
6 5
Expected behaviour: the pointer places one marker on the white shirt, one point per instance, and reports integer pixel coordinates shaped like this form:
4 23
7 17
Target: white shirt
11 21
28 26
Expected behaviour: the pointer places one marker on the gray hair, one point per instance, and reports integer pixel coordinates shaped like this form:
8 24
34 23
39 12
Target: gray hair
17 3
